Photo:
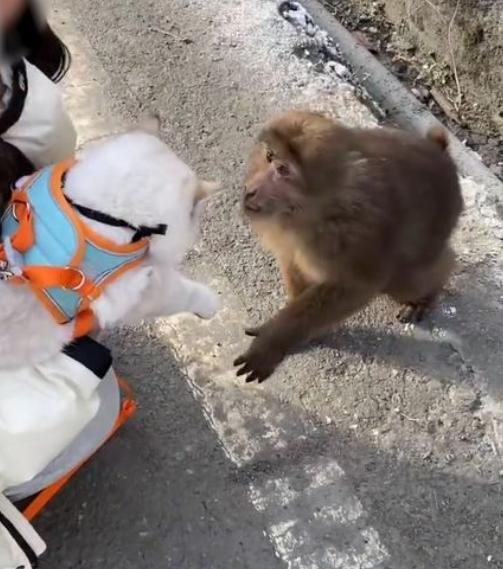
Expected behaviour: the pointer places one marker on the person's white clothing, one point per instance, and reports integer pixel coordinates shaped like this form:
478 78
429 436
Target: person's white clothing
44 131
53 417
83 446
42 410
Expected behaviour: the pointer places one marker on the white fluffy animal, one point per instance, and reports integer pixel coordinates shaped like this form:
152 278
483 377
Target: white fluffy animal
137 178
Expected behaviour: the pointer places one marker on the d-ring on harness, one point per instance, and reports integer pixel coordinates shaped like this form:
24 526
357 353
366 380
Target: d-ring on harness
47 246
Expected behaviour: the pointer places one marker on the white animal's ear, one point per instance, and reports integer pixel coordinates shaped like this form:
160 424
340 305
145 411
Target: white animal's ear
151 124
205 189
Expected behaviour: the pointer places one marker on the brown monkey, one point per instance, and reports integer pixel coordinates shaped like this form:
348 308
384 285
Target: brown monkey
349 214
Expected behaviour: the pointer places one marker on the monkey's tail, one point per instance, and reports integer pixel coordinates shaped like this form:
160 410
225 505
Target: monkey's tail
438 135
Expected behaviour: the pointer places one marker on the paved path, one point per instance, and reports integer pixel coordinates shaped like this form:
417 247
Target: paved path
377 449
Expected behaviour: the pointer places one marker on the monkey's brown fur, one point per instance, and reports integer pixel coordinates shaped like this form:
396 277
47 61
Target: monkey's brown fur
349 214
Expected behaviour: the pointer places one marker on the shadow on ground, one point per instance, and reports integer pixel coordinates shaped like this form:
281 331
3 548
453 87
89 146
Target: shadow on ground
164 494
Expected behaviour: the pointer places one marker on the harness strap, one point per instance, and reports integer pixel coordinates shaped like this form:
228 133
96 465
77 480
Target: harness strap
24 237
71 279
66 277
141 231
84 323
41 278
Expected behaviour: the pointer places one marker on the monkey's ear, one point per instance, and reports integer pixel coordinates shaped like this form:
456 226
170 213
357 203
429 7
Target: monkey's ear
150 123
205 189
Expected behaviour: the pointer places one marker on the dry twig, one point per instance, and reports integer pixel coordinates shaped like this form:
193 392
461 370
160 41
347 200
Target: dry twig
169 34
444 104
434 6
459 96
412 419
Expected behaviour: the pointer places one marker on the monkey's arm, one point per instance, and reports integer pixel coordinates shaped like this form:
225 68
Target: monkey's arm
294 281
317 308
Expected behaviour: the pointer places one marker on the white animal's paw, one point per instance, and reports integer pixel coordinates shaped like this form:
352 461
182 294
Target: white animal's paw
122 296
143 277
205 303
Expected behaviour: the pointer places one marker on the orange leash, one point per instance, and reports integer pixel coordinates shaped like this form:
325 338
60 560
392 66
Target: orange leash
128 409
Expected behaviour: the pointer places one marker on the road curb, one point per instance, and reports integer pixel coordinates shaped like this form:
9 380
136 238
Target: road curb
399 103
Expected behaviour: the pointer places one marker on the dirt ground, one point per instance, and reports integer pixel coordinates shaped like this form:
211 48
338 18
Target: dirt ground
449 53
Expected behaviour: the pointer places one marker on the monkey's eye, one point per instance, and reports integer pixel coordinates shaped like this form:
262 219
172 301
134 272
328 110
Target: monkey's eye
269 155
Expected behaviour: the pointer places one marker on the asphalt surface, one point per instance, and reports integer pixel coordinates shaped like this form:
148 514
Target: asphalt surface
378 447
162 493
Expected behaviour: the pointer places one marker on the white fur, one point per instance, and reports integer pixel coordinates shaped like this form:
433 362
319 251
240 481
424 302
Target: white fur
134 177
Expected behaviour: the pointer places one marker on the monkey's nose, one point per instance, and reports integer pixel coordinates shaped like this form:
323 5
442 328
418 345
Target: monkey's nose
250 201
250 192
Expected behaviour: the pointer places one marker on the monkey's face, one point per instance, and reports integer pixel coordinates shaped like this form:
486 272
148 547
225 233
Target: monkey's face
274 184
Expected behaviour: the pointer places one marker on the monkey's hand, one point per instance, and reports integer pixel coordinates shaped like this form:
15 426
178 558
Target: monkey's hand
316 308
262 357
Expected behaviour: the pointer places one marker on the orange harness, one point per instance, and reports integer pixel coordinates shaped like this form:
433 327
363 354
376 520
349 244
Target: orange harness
48 247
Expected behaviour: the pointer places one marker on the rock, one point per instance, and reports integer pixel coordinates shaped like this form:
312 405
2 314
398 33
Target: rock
421 93
400 68
477 139
365 41
464 397
497 170
340 70
497 119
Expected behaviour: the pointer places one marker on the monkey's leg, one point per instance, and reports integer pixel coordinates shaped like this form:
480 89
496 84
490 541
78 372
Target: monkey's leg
419 290
294 281
317 308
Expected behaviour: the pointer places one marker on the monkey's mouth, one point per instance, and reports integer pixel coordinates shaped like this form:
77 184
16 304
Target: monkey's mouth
252 208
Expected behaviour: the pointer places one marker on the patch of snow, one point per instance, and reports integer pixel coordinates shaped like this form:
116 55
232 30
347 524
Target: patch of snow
297 15
318 40
340 70
450 310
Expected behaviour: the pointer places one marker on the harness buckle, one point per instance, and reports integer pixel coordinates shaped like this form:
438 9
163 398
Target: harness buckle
82 281
26 204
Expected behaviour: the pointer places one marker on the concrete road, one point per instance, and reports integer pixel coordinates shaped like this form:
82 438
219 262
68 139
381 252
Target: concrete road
379 447
162 494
